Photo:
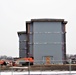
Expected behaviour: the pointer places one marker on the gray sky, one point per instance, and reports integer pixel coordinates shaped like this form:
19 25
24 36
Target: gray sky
14 13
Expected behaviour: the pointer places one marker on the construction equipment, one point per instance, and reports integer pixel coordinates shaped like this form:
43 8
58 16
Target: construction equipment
2 62
24 61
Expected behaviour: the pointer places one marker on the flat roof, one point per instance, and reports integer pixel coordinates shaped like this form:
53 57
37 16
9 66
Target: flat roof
21 32
47 20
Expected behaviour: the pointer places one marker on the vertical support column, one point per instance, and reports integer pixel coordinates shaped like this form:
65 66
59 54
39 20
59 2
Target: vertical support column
28 32
64 41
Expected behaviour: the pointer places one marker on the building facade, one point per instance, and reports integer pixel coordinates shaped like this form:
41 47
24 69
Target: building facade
46 39
22 44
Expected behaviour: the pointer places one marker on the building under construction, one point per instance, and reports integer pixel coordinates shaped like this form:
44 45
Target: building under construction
44 39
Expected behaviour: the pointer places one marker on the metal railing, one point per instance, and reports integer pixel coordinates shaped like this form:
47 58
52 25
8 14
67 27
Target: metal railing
42 66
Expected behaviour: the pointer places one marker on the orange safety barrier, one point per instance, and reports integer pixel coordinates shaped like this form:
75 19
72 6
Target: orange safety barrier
27 59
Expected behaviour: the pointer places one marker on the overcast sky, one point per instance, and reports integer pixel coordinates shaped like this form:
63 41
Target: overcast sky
14 13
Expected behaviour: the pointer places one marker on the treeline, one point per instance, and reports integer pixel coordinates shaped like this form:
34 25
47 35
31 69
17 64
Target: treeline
6 57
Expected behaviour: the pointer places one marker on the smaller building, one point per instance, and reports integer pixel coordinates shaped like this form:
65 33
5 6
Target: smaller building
22 44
